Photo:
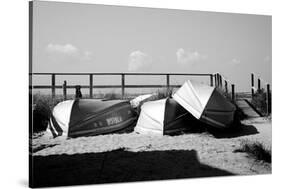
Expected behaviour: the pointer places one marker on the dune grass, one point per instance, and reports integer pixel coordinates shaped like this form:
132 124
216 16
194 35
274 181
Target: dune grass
260 101
255 149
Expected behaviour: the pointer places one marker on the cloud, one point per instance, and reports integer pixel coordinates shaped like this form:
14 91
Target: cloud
138 61
67 52
67 49
234 62
189 57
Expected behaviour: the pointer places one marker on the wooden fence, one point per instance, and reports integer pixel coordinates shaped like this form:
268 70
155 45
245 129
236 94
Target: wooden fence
217 77
225 85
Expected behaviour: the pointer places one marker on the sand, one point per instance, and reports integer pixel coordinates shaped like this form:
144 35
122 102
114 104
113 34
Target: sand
162 157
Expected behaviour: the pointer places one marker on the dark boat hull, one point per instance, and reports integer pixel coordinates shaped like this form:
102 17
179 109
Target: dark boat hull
89 117
113 119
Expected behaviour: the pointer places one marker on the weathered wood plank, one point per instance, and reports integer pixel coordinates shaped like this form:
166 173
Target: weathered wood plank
53 86
64 90
186 74
232 92
102 86
91 85
252 84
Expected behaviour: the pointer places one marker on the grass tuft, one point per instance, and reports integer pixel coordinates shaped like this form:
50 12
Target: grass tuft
255 149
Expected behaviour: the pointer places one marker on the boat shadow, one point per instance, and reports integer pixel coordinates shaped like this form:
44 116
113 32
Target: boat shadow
240 130
119 166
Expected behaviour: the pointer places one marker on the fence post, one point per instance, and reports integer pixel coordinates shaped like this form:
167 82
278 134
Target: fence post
259 84
268 99
232 92
78 93
211 80
252 84
53 86
220 80
226 87
168 82
64 90
216 79
91 85
123 85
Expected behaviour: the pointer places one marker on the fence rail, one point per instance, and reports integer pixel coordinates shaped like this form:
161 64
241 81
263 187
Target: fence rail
102 86
184 74
225 85
215 80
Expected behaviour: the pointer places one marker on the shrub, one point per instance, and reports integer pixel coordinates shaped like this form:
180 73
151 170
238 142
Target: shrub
111 96
41 112
40 109
256 150
259 100
163 93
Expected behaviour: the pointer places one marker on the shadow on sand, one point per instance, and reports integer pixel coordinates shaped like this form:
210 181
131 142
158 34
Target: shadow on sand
241 130
119 166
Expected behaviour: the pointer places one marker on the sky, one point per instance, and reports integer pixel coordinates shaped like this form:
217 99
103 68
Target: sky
72 37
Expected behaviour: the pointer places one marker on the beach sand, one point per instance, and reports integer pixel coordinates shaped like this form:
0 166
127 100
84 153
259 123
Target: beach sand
135 157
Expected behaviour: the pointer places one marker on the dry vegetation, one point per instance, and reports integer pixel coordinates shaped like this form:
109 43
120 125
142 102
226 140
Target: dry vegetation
260 101
255 149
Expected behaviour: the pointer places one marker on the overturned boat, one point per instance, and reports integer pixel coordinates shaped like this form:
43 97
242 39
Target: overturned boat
89 117
163 117
206 103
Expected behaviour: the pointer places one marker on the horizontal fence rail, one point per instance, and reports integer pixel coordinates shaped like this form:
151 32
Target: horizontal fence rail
122 85
184 74
102 86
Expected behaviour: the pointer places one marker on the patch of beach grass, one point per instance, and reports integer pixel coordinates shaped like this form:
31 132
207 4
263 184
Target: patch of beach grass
256 150
259 100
